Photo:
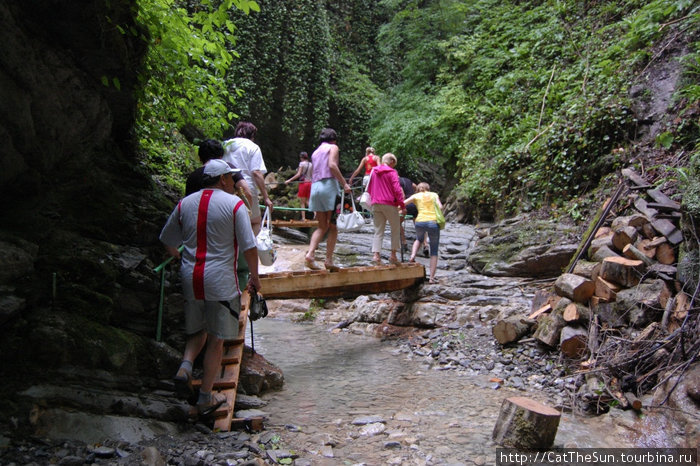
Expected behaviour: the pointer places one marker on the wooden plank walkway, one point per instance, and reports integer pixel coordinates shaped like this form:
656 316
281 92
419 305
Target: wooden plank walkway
295 223
347 282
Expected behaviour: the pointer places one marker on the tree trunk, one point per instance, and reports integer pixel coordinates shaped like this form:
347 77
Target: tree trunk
526 424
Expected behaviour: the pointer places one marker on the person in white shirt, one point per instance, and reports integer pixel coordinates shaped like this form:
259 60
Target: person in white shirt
211 224
245 155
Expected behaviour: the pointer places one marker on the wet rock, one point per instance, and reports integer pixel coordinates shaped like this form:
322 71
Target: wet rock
361 421
373 429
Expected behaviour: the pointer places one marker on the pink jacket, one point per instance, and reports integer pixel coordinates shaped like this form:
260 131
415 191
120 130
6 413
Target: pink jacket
384 187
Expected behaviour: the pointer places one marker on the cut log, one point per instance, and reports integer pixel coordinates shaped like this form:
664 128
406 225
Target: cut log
584 268
663 271
598 243
645 245
526 424
549 328
576 312
623 271
665 254
606 290
544 297
631 252
511 329
634 220
595 273
573 342
574 287
635 403
648 231
602 231
669 230
602 253
623 237
609 315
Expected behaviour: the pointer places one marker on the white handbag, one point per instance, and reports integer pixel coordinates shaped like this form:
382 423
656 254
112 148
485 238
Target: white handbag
266 248
349 221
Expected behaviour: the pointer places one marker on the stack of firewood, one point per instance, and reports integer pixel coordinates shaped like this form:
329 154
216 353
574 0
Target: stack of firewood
621 315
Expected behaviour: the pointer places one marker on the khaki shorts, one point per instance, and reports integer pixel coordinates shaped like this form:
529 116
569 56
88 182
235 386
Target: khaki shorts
217 318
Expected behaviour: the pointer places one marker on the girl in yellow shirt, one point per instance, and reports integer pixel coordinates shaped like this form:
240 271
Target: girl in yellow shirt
426 222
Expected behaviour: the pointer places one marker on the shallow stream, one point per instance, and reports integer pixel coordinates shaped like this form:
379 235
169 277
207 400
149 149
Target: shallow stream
351 399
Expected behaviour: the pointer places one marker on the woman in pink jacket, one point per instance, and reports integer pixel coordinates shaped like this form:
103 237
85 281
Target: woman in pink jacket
387 200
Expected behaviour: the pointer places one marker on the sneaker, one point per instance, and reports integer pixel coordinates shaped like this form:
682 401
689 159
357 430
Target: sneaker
183 384
207 409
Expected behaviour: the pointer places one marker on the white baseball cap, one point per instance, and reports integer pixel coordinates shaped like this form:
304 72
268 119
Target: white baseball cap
217 167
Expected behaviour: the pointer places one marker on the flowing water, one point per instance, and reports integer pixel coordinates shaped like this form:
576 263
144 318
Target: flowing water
350 399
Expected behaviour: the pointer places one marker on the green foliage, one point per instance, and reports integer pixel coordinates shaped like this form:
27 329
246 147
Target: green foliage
528 97
306 65
183 82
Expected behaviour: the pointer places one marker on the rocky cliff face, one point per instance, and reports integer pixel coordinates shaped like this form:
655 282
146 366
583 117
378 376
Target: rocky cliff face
78 218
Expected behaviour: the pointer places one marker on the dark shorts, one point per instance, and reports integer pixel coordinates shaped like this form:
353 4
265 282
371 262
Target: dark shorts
433 231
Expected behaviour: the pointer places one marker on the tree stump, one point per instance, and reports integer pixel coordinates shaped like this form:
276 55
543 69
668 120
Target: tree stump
526 424
511 329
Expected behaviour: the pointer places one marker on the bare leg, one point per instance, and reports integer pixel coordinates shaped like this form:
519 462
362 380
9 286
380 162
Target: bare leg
414 250
212 362
331 239
303 206
324 219
433 267
194 346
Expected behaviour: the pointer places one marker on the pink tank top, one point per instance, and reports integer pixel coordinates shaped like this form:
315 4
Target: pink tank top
319 160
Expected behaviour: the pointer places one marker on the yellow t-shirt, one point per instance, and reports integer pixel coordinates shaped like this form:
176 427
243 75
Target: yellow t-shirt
425 202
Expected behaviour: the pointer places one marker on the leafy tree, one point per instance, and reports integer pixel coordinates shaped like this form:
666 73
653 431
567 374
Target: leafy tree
183 83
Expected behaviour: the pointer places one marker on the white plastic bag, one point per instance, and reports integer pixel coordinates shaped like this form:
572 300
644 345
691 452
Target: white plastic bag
365 199
266 248
349 221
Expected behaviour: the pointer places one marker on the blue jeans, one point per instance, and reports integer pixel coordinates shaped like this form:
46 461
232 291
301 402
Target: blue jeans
433 231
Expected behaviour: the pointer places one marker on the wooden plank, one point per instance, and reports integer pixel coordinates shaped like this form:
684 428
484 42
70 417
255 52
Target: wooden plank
295 223
631 175
669 230
662 199
642 206
540 311
348 282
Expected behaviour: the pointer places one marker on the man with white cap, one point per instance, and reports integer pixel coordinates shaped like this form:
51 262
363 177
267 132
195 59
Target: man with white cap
212 224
